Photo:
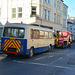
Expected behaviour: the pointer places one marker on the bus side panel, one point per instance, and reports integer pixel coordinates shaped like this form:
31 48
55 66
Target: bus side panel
40 45
40 49
22 46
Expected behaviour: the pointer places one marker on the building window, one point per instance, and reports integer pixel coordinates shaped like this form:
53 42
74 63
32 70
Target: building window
44 14
44 0
48 15
58 5
54 17
48 1
64 22
13 12
33 11
20 12
58 19
54 3
64 11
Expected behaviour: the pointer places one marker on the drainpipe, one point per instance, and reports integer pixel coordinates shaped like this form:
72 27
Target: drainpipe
41 10
31 7
7 11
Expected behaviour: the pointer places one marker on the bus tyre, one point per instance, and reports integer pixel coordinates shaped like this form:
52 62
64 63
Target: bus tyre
31 52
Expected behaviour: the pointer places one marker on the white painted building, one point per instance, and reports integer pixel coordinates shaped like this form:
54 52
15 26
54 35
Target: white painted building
37 12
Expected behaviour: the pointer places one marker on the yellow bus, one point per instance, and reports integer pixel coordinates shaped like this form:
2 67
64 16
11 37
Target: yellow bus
26 39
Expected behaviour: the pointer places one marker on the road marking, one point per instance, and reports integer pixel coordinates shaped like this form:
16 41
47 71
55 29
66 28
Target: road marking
56 53
41 64
56 60
43 57
62 67
40 58
71 54
30 63
51 56
19 61
64 51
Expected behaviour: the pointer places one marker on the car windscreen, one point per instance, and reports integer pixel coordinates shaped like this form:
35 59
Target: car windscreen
13 32
63 34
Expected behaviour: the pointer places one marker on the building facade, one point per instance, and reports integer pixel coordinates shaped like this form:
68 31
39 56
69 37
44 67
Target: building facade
37 12
71 27
65 7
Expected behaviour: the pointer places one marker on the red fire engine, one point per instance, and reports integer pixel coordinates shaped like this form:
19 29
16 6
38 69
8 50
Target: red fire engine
63 39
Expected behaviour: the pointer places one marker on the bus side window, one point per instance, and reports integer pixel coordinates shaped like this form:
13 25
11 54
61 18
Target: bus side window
46 35
32 33
21 33
50 35
5 33
42 34
36 34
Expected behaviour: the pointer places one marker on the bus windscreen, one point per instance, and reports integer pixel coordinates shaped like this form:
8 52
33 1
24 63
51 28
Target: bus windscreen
13 32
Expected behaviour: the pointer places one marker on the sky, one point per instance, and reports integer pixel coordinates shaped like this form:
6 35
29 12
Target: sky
71 7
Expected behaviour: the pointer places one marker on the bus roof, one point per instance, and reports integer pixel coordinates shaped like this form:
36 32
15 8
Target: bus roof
27 25
15 25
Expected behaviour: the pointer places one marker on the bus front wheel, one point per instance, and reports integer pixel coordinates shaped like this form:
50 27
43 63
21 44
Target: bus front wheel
31 52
